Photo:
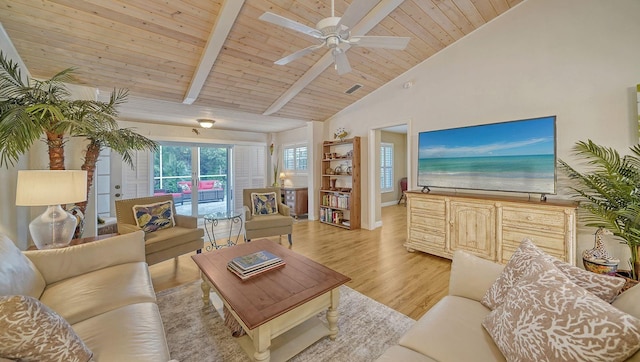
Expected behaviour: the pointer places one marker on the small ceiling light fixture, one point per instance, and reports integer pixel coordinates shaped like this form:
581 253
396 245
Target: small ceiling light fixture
206 123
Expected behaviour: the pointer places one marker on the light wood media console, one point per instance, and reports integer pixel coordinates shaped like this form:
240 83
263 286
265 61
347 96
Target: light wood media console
491 227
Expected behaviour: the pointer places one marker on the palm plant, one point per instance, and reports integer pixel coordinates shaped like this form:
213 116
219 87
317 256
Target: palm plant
610 191
31 109
120 140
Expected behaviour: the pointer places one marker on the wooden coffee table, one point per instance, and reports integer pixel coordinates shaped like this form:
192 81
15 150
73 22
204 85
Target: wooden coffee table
277 309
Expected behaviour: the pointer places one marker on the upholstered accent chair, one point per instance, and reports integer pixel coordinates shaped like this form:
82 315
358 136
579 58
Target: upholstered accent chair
164 243
260 222
403 190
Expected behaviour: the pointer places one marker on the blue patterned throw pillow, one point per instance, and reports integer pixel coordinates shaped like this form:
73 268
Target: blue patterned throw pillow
264 203
154 217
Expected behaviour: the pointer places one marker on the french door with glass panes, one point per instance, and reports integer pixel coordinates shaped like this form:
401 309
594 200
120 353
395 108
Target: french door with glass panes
198 177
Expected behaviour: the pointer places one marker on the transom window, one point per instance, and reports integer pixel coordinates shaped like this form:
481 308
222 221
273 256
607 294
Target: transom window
386 167
295 158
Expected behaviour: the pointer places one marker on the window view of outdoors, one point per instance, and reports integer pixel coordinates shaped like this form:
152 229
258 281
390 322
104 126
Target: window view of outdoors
172 172
295 158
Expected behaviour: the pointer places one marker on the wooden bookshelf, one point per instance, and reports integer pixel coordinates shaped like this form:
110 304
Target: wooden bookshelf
340 188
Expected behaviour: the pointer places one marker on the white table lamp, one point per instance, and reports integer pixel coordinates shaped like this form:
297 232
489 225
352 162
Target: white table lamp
51 188
282 176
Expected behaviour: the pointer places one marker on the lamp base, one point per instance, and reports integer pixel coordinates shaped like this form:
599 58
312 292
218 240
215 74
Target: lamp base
53 229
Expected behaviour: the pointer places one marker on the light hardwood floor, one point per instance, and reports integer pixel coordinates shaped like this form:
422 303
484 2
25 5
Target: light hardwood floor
378 264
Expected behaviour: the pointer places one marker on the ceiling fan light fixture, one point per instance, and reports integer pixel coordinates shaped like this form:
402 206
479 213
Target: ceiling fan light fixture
206 123
335 33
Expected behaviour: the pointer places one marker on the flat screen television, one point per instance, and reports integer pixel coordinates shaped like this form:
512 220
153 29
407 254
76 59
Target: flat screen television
514 156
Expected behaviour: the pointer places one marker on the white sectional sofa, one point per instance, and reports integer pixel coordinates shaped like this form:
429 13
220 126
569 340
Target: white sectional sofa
452 330
102 289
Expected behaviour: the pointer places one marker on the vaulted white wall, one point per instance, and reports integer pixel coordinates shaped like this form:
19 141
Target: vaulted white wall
577 59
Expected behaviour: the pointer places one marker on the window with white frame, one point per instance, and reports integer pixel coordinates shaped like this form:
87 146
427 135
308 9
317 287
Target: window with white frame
295 158
386 167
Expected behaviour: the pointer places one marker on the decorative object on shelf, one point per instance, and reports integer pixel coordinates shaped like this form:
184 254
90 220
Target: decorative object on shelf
328 155
349 170
608 190
341 134
328 171
333 184
338 170
55 227
598 259
282 176
349 154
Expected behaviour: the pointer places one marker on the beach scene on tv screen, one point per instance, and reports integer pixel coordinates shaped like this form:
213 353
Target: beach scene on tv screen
514 156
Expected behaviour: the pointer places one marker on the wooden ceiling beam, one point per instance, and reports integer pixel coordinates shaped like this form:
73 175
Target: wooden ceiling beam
228 14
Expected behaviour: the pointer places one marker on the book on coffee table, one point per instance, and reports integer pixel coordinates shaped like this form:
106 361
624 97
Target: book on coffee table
253 264
246 275
255 260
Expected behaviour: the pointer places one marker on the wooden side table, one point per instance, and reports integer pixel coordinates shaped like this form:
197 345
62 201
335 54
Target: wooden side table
88 239
297 200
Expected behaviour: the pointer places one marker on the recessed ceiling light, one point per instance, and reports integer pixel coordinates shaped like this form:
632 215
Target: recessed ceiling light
206 123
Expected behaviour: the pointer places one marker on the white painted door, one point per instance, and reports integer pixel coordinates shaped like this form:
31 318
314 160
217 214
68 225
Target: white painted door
249 165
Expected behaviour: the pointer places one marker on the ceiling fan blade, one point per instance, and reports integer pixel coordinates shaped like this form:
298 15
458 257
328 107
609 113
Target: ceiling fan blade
342 63
290 24
356 11
387 42
299 54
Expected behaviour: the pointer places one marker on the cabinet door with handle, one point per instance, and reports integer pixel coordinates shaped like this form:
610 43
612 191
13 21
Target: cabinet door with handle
472 227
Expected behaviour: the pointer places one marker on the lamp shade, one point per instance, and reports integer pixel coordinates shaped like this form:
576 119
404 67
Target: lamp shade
51 187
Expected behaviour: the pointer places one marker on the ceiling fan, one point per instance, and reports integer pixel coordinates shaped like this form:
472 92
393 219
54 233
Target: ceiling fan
335 34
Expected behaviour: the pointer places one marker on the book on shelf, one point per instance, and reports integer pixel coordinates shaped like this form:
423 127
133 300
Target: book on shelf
331 216
253 264
333 200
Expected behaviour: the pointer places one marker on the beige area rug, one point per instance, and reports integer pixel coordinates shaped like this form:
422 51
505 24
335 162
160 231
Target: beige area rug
195 333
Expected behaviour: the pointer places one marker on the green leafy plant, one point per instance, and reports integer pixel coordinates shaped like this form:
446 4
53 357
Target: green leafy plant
609 190
32 109
275 173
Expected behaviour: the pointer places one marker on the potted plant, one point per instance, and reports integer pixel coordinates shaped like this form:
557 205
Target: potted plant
275 173
31 109
609 189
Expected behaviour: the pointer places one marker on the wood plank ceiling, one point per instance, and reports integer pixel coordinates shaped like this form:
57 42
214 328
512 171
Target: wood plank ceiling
154 47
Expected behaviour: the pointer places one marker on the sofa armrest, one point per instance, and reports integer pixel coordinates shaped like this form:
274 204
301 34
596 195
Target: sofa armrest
247 213
64 263
127 228
186 221
471 276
